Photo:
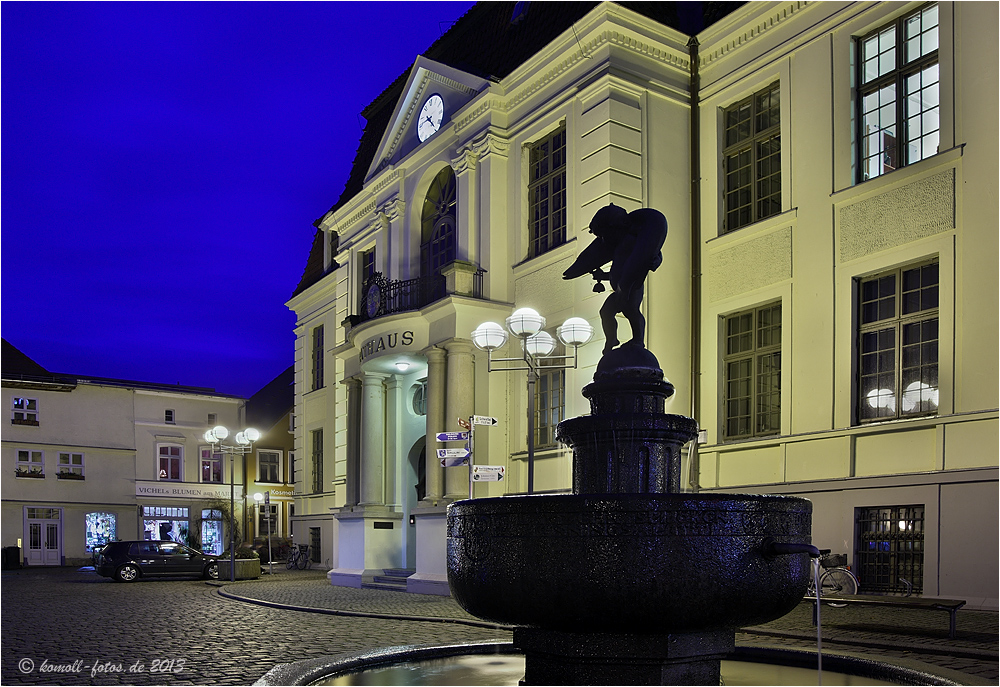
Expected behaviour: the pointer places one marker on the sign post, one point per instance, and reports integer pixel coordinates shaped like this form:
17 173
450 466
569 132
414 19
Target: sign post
267 509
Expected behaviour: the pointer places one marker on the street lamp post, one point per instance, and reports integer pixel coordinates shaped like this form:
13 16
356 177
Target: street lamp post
243 446
536 346
265 500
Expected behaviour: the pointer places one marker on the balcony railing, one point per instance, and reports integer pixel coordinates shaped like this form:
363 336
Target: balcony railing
381 296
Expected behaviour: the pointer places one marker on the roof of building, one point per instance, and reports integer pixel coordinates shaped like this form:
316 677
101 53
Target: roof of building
266 407
491 40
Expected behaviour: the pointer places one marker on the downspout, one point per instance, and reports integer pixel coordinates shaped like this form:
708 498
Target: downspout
695 146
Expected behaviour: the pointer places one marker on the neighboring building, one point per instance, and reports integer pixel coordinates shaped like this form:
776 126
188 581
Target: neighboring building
826 307
273 460
88 459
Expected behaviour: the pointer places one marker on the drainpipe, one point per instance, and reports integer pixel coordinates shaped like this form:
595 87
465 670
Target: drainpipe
695 85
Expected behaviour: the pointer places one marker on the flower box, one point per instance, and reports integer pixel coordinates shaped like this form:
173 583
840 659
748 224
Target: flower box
246 569
69 475
28 473
22 421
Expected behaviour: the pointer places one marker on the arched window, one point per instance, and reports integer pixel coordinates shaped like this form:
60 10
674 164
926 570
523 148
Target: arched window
437 246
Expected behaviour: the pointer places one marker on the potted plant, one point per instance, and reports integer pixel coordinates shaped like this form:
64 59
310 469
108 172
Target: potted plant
67 474
247 565
28 472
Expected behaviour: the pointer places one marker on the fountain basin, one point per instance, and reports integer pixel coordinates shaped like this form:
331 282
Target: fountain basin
628 564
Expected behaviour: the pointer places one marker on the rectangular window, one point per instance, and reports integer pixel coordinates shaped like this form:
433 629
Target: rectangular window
898 101
71 465
211 466
752 373
267 517
889 546
24 411
168 416
100 529
317 358
291 468
29 463
317 461
367 258
550 405
547 192
170 462
315 542
898 343
752 159
268 462
212 419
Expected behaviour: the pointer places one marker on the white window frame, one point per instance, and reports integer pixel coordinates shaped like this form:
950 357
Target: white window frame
180 457
212 457
68 466
25 462
24 410
259 463
170 416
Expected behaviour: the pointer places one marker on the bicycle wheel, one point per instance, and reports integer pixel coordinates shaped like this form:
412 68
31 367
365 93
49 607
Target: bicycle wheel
837 582
290 563
303 561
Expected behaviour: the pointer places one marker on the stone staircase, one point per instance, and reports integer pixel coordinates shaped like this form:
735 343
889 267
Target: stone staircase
393 579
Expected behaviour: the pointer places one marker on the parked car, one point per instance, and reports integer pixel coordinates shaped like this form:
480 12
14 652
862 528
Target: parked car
127 561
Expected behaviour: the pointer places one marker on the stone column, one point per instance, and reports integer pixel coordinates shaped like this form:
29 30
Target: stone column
435 421
372 440
394 456
353 473
460 403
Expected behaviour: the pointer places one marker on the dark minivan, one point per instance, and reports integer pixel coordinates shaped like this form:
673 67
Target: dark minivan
126 561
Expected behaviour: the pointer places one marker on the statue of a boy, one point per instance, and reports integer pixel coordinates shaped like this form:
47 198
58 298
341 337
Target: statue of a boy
631 241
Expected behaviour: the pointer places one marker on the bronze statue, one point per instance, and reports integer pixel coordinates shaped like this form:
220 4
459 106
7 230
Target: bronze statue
631 241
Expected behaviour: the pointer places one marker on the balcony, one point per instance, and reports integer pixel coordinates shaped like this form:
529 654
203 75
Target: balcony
381 296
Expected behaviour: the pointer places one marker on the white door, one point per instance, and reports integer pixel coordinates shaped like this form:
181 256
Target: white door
44 530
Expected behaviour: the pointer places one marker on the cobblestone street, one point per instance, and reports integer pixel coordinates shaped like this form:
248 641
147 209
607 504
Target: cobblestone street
63 626
182 629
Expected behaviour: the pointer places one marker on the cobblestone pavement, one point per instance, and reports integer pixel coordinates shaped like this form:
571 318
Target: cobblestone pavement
232 633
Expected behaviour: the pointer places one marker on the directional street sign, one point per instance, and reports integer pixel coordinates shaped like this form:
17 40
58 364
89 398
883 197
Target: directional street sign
452 452
487 473
462 422
483 420
452 436
454 461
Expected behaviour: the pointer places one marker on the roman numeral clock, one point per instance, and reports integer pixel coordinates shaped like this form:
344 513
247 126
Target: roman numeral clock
431 115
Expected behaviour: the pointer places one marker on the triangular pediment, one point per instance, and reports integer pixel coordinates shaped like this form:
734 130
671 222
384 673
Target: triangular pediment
427 78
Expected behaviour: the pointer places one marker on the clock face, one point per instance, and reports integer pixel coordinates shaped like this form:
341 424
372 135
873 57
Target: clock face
431 115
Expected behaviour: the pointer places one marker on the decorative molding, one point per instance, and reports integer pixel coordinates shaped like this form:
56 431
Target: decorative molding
779 16
466 161
922 208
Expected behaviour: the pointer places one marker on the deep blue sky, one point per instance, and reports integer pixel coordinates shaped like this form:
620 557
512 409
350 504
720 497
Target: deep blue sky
162 164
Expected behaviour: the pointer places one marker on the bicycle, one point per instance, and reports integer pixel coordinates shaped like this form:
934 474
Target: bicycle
298 557
837 578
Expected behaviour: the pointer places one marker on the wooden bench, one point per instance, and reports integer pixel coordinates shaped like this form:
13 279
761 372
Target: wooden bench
949 605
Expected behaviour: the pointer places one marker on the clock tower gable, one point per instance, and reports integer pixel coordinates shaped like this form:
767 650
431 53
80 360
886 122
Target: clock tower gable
432 94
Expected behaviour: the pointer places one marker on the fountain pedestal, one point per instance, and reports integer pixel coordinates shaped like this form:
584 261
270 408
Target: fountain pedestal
627 580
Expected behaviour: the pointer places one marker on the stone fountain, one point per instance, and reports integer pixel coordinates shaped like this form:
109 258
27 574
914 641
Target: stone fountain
627 580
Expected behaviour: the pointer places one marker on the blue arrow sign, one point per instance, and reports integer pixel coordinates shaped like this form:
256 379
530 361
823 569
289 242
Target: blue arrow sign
452 452
452 436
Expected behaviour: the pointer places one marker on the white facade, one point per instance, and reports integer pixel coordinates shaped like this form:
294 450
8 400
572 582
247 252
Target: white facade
621 87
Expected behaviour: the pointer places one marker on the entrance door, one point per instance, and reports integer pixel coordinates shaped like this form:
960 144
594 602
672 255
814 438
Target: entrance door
44 529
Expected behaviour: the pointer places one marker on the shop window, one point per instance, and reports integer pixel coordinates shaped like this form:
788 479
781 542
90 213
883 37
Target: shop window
165 523
70 466
898 343
752 159
267 517
100 529
24 411
898 101
751 362
547 192
212 538
171 462
211 466
437 222
315 542
268 463
30 463
889 549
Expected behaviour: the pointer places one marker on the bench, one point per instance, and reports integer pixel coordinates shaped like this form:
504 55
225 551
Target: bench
949 605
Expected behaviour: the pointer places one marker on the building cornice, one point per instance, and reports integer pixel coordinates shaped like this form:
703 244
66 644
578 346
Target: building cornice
745 33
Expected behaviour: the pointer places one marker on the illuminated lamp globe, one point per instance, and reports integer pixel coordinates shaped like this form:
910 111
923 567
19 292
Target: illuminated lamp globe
220 432
251 434
241 439
210 436
489 336
258 497
525 322
575 331
540 344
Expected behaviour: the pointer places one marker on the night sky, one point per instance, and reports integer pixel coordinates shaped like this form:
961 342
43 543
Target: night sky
162 165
